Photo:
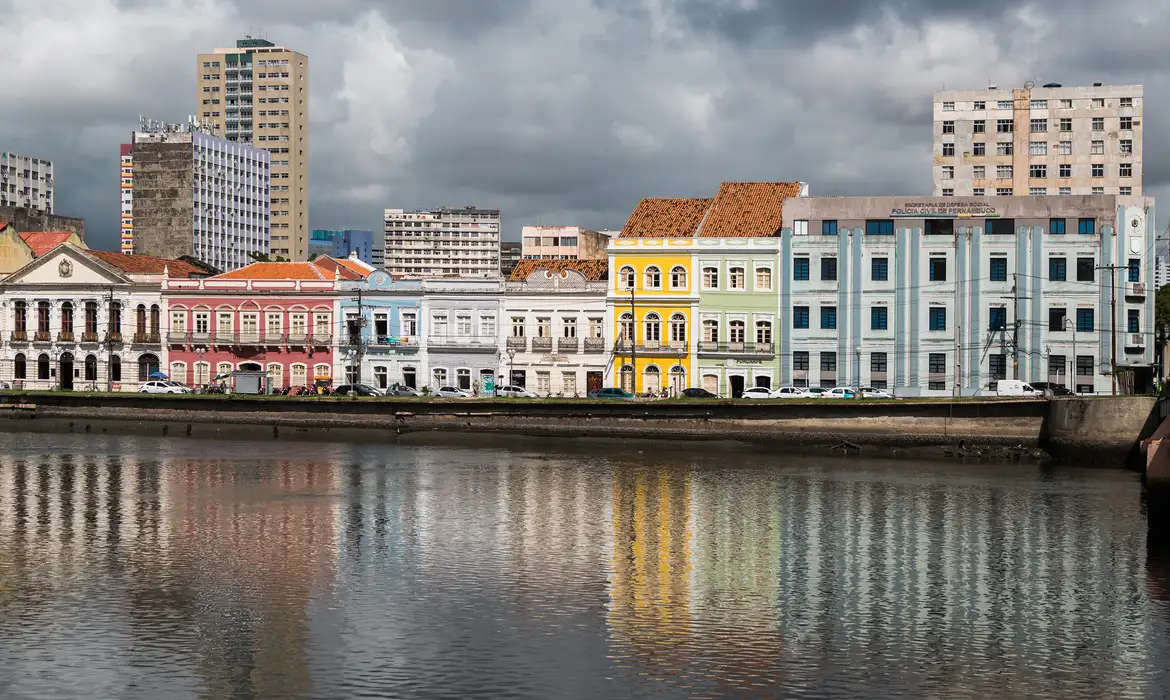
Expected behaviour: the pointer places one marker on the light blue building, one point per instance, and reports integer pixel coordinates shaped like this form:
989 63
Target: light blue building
381 332
343 243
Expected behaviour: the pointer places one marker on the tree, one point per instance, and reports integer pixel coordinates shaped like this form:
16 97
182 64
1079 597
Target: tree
1162 309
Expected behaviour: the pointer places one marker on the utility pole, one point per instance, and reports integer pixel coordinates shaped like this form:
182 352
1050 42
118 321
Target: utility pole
357 343
1112 320
633 345
110 339
1015 297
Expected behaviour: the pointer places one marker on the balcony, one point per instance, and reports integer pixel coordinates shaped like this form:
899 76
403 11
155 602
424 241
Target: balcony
19 337
90 337
403 344
707 347
1135 342
146 339
42 337
464 343
568 345
1135 290
321 340
65 337
113 337
542 345
518 343
176 338
654 347
200 339
594 345
297 339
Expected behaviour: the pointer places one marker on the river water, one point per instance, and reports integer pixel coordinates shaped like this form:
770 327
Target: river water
145 568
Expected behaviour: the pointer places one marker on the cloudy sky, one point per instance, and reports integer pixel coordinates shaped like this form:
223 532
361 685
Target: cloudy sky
565 111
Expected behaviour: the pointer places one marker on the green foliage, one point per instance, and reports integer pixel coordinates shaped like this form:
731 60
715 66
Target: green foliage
1162 308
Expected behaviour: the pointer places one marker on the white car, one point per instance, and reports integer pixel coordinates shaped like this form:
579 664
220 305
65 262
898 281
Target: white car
788 392
840 392
452 392
814 392
868 392
161 387
757 392
514 392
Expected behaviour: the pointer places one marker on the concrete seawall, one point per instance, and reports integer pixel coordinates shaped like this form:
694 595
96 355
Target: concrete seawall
1103 430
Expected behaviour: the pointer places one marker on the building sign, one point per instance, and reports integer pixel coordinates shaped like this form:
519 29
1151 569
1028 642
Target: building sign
554 359
745 363
944 210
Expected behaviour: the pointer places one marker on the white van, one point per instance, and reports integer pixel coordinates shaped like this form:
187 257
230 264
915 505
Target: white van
1015 387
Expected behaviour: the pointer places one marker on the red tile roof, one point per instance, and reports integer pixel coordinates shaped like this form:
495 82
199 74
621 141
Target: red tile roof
145 264
349 269
593 270
666 218
42 242
278 271
748 210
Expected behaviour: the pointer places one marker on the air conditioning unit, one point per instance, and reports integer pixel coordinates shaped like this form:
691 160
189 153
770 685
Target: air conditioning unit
1137 340
1137 289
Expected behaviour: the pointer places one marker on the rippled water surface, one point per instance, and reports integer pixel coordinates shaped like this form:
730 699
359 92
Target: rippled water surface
137 568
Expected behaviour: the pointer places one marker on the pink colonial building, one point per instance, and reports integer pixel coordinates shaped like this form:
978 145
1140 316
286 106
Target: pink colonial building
273 317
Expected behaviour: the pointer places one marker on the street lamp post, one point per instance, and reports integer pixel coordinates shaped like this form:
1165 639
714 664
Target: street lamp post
511 366
199 361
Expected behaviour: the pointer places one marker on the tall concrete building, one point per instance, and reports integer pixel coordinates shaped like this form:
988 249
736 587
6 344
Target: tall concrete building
192 193
341 243
446 241
1038 141
26 182
564 243
258 93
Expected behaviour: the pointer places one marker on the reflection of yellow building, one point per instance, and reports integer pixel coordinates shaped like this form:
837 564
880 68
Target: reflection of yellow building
650 592
653 294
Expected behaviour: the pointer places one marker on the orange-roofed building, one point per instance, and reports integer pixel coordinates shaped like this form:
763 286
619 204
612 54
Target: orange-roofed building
692 301
554 326
19 248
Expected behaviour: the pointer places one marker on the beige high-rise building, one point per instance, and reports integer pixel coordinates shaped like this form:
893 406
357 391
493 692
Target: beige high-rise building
258 93
1038 141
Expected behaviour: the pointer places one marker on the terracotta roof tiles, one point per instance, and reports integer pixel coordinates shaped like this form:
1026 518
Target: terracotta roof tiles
593 270
42 242
278 271
748 210
144 264
666 218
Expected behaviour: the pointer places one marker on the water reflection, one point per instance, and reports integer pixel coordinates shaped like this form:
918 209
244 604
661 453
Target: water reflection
323 571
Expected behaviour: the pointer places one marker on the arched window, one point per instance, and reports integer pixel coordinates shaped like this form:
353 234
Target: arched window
678 329
710 278
67 321
115 369
19 370
43 321
626 278
202 373
763 279
678 277
626 328
653 329
140 320
91 368
710 330
653 278
276 375
627 378
147 364
20 316
222 370
735 331
322 371
736 278
678 380
43 366
297 375
179 372
91 323
652 379
115 329
764 332
154 320
463 379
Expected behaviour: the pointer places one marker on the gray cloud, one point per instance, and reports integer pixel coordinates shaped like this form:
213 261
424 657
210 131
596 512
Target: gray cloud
567 111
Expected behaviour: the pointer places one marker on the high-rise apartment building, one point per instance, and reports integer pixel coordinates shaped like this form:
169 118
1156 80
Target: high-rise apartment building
344 243
1038 141
189 192
447 241
26 182
258 93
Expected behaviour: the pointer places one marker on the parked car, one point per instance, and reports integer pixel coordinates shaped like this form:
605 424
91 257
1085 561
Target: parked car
840 392
697 393
1015 387
163 387
757 392
610 393
357 390
402 390
788 392
814 392
868 392
514 392
1052 389
452 392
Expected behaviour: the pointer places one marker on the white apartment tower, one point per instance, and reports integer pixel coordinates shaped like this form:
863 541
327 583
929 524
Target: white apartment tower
1038 141
446 241
26 182
258 93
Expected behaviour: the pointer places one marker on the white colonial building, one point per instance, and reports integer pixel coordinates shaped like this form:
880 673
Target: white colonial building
460 322
85 319
554 327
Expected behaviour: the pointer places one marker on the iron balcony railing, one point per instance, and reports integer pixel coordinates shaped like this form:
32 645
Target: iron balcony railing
19 337
567 345
518 343
732 348
594 345
542 344
146 339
